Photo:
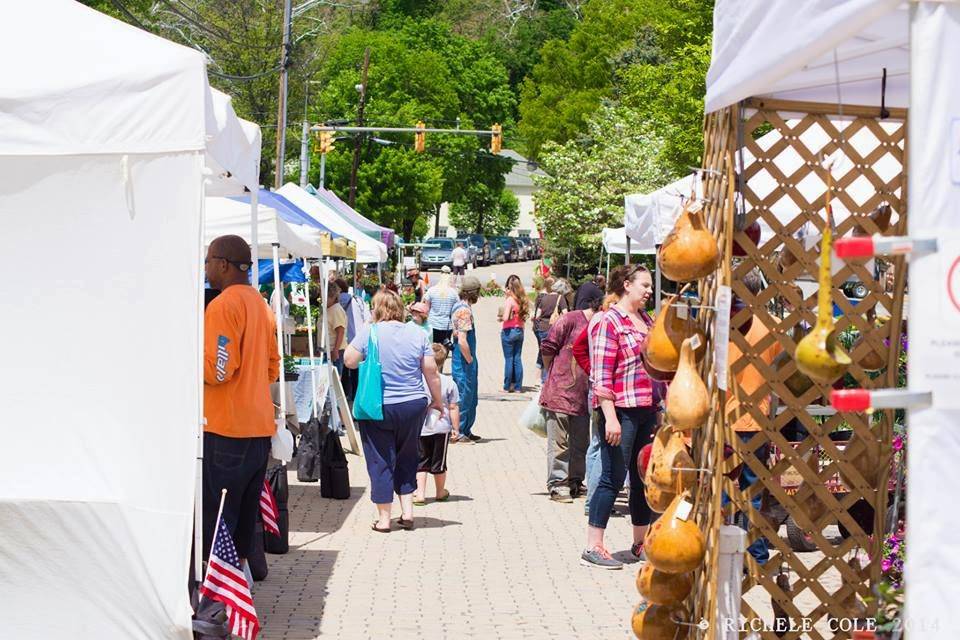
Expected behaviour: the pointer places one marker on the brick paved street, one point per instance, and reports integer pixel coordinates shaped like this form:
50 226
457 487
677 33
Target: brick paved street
497 561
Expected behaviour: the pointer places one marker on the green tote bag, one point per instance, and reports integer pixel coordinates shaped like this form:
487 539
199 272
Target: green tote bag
368 403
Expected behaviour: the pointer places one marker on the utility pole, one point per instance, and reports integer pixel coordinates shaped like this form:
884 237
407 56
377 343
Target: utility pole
358 143
282 102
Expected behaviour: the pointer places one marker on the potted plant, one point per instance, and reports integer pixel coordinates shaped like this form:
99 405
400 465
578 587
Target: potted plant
290 372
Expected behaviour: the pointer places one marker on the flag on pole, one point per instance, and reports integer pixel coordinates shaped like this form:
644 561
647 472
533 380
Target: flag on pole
225 582
269 512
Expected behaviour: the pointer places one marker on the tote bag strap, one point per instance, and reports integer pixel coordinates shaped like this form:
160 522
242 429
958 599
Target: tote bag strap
373 345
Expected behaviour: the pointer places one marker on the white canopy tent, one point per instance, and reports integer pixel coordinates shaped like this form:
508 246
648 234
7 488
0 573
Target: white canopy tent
368 249
616 241
224 216
853 41
102 142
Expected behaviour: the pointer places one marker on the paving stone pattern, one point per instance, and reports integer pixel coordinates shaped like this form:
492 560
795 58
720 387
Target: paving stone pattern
499 560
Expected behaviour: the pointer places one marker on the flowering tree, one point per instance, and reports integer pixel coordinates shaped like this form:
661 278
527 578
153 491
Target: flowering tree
588 178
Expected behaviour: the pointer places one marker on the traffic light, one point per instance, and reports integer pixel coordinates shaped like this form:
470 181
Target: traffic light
325 142
419 142
496 140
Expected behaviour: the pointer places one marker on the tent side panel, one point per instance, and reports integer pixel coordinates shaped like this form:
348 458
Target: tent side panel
102 401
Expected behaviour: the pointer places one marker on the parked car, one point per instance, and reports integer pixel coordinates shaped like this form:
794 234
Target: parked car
511 251
528 250
537 248
496 252
481 246
437 253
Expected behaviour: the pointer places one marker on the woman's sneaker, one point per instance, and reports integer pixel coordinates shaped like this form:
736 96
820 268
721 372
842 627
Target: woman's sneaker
560 494
599 558
637 552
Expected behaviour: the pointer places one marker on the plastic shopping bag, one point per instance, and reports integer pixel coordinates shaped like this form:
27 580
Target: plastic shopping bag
532 417
281 444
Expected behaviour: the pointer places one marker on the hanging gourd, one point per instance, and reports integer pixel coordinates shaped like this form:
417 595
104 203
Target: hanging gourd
752 231
818 355
671 467
658 498
690 251
662 348
674 543
688 403
871 361
658 495
658 622
797 381
658 587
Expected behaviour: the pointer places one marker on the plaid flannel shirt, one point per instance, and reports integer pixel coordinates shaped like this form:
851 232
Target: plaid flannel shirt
616 366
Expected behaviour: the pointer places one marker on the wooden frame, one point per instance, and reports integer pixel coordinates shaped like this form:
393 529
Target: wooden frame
864 464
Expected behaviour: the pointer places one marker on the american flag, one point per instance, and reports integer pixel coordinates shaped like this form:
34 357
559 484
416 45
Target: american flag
226 583
268 509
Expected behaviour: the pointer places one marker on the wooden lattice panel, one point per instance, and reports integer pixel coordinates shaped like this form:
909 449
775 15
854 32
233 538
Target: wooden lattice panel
871 171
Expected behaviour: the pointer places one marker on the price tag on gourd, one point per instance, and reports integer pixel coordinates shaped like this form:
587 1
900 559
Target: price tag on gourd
721 334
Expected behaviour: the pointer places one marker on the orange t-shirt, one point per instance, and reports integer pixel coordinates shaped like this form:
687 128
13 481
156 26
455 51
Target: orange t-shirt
240 362
749 379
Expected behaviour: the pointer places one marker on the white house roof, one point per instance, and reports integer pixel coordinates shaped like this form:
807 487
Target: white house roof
523 170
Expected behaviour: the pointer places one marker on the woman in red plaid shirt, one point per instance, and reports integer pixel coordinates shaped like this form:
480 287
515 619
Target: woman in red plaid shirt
624 393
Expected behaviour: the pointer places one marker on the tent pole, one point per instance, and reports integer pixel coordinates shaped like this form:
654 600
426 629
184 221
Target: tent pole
198 480
313 363
254 227
626 256
325 345
600 262
608 267
278 312
659 291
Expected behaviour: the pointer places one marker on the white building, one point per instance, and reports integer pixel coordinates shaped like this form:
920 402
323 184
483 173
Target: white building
519 182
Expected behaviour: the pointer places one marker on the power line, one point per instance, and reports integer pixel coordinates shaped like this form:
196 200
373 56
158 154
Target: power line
122 9
209 30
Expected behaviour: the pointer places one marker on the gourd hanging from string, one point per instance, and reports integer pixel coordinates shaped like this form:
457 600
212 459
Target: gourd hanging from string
690 251
818 354
674 543
658 622
688 403
658 587
661 352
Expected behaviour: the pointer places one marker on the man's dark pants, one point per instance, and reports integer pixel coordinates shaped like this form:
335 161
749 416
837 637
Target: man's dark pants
239 466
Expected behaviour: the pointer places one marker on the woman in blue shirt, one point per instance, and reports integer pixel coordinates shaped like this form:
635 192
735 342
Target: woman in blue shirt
390 445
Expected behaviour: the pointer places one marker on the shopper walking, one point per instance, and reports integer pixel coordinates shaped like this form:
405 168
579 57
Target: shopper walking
515 312
348 377
464 368
390 446
417 283
240 362
624 393
564 400
547 309
459 257
436 434
440 300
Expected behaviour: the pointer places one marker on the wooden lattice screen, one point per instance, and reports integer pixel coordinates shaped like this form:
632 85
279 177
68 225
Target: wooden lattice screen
842 482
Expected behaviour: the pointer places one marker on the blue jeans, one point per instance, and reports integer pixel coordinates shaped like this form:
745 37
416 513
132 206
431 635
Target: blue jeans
759 548
512 342
540 335
593 456
465 375
637 428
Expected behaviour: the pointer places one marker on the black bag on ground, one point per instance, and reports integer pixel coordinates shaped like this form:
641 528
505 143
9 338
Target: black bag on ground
334 473
308 451
277 477
257 561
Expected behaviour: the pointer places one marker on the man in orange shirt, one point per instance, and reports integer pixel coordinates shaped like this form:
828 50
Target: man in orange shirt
746 382
240 362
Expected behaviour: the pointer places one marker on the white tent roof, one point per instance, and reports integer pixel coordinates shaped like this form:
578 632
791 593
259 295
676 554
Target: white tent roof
615 241
368 249
91 84
224 216
233 148
786 50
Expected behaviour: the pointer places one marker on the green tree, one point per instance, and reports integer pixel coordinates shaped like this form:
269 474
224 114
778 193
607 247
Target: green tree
588 178
575 76
484 210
